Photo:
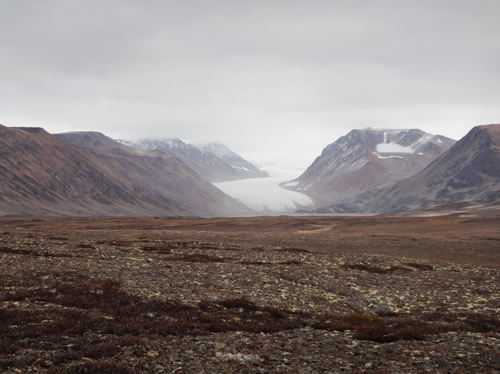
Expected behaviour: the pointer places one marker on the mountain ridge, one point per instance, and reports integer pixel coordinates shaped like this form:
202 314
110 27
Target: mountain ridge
367 159
45 175
468 171
213 161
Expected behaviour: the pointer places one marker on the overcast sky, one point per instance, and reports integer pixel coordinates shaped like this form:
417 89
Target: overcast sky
275 80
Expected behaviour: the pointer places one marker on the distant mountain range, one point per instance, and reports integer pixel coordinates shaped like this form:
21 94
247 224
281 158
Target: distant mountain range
214 161
469 171
365 160
368 171
87 173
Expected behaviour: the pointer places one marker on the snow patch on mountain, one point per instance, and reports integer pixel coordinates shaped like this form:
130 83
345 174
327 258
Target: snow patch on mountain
386 157
393 147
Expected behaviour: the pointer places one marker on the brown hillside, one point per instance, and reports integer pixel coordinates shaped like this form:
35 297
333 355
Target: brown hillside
44 175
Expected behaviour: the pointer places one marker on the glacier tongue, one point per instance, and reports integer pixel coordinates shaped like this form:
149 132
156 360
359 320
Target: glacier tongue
265 195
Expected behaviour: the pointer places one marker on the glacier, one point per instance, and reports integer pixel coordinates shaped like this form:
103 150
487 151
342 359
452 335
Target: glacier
265 195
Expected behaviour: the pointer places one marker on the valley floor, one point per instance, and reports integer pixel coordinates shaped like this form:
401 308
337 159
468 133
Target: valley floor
250 295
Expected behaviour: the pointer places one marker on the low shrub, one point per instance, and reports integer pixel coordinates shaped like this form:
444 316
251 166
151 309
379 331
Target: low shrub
92 368
374 269
85 246
197 258
476 322
418 266
379 334
29 252
294 250
65 357
12 251
346 322
242 303
288 262
58 238
386 334
107 349
165 249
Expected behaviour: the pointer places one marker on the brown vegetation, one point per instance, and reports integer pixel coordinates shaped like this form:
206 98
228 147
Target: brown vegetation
158 300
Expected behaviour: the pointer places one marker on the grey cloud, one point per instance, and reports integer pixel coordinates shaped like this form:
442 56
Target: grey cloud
257 75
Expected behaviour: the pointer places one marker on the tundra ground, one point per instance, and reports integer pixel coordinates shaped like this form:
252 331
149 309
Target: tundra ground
250 295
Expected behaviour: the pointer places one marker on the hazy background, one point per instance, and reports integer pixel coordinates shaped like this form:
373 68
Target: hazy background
274 80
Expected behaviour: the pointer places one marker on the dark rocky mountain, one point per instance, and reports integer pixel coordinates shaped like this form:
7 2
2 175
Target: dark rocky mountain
43 174
213 161
468 171
365 160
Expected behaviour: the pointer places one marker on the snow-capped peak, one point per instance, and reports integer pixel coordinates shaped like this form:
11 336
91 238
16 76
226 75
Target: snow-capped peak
217 149
214 161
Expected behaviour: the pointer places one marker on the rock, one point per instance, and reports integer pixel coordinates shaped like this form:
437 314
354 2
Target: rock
382 309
